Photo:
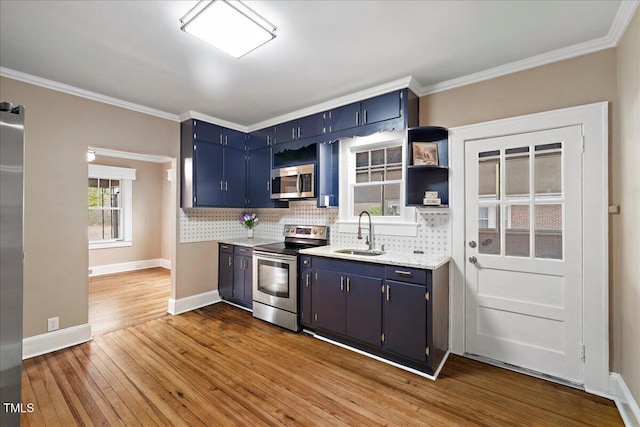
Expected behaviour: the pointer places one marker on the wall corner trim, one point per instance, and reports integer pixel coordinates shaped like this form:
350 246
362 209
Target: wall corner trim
626 404
56 340
182 305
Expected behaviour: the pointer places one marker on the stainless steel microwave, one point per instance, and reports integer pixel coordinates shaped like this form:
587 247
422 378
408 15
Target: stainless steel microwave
295 182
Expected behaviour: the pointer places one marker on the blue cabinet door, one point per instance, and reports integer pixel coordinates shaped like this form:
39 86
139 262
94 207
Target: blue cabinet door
203 131
235 181
309 126
259 188
207 173
306 287
330 304
285 132
364 309
225 275
345 117
382 107
260 138
234 139
405 314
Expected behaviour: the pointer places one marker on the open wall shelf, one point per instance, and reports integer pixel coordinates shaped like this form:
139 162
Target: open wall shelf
427 144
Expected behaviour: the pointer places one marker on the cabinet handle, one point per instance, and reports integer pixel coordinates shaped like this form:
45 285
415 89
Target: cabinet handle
226 139
341 283
268 188
365 116
226 186
348 285
220 185
220 139
230 262
388 293
404 273
298 132
308 276
293 133
357 117
268 140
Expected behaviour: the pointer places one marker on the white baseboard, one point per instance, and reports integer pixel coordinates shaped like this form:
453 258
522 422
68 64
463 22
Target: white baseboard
182 305
101 270
56 340
627 406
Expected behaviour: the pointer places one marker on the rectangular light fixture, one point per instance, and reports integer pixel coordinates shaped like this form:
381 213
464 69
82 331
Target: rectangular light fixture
229 25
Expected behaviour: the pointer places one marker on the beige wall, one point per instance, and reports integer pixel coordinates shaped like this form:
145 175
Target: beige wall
198 272
58 129
167 210
577 81
148 202
627 268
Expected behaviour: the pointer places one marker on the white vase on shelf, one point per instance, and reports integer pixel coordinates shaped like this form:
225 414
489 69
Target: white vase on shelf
250 233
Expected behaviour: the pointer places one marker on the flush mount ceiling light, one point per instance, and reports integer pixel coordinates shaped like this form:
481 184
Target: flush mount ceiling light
229 25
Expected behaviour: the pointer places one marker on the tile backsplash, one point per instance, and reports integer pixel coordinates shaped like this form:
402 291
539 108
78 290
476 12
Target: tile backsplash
199 225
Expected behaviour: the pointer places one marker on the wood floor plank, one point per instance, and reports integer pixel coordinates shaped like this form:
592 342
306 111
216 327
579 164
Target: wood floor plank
220 366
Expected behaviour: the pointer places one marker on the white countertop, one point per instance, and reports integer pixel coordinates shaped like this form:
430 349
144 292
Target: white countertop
403 259
249 243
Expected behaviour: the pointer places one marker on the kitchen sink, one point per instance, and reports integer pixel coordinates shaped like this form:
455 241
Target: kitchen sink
365 252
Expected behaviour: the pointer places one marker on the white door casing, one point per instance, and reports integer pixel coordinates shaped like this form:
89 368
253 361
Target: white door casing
524 277
593 121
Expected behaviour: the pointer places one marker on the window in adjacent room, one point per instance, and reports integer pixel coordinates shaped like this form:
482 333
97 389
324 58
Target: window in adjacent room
110 206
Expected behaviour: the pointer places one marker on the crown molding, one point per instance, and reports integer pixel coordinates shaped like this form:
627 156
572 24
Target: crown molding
403 83
131 156
94 96
210 119
621 21
623 18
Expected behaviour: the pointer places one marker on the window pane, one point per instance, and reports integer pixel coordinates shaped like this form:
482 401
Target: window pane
516 171
489 173
95 225
377 157
548 170
489 237
394 155
394 173
548 231
391 199
517 234
377 175
368 198
362 176
362 159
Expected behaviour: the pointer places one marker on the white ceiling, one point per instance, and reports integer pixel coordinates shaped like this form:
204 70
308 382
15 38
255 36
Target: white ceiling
134 50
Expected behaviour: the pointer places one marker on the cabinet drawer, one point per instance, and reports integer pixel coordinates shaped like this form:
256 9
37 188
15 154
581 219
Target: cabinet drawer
223 247
405 274
305 261
243 250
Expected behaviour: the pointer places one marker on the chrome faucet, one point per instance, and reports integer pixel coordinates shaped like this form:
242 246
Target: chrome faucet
369 240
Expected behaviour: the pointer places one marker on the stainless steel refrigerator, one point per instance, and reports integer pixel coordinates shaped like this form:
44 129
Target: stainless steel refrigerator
11 258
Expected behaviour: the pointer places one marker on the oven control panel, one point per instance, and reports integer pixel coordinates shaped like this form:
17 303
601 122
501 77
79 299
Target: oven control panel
306 231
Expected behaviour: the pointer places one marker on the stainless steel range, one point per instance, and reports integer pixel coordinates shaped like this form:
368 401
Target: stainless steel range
275 274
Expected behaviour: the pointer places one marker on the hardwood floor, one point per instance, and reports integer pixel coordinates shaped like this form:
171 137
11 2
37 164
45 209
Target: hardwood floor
220 366
117 301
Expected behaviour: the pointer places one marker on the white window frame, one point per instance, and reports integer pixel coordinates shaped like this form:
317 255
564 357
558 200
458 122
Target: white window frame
403 225
126 177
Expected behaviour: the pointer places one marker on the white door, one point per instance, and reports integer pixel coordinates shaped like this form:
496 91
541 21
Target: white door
524 251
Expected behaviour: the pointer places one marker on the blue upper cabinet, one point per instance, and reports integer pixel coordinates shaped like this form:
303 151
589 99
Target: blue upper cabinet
234 139
203 131
260 138
207 174
259 184
390 111
305 127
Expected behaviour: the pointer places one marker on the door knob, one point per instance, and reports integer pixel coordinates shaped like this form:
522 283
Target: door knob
473 244
473 259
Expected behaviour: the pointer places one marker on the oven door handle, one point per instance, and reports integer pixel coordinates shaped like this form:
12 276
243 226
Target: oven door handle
271 255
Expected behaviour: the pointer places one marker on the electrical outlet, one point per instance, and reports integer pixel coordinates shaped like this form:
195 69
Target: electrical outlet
53 323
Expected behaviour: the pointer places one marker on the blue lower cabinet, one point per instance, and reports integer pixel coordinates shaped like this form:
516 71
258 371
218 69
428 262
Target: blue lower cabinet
400 314
404 304
225 271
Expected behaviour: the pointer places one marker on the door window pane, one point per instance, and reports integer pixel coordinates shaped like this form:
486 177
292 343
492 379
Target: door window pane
548 170
517 233
489 175
548 231
516 173
489 236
